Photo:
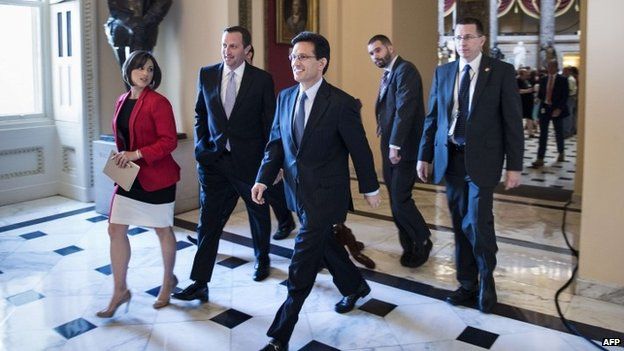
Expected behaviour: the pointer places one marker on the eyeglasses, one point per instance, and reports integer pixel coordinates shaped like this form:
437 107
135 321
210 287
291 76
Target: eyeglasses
300 57
467 37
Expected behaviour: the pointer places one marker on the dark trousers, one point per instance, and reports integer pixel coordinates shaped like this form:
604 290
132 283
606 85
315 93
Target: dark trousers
277 200
473 223
220 190
543 138
400 179
314 244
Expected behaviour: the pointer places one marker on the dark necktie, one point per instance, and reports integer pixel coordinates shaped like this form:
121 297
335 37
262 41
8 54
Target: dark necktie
464 103
384 83
300 120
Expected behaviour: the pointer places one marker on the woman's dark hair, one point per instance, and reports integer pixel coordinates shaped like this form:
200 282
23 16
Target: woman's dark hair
137 59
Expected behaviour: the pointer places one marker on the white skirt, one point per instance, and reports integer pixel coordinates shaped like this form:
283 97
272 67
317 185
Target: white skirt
133 212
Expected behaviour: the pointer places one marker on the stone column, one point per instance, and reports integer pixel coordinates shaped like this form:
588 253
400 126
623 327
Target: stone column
493 22
440 23
547 28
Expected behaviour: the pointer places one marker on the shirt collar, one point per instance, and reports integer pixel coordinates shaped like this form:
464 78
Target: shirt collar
238 71
474 64
389 67
311 92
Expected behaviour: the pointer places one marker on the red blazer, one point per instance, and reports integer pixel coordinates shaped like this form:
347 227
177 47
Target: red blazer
153 132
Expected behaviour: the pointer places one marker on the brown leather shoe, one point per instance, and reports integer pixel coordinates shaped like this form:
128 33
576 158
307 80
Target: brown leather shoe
561 157
538 163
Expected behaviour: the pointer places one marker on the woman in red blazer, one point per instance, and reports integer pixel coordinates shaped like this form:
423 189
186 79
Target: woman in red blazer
145 133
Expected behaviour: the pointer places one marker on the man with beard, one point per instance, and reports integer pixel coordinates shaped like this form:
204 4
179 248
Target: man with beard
400 115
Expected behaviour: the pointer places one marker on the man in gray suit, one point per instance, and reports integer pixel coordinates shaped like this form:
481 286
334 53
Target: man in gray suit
474 125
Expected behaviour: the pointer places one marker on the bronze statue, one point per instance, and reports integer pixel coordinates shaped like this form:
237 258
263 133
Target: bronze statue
133 25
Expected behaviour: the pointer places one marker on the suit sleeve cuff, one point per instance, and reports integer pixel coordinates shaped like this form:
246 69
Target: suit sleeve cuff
395 147
372 193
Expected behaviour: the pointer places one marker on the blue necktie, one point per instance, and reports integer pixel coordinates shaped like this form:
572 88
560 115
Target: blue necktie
300 120
464 104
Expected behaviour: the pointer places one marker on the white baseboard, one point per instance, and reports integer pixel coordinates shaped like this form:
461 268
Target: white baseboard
600 291
75 192
27 193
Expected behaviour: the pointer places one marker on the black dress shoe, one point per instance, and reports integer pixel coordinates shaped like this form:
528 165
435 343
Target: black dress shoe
262 271
284 232
275 345
419 256
195 291
461 296
487 295
406 258
348 302
191 239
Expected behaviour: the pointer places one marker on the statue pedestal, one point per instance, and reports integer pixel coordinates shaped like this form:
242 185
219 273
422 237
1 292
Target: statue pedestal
187 191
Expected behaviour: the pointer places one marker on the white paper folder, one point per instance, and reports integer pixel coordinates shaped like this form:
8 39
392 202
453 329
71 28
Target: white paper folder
124 177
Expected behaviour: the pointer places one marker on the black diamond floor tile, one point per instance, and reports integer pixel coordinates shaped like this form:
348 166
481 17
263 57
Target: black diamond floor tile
107 270
136 231
478 337
33 235
155 291
182 245
97 219
378 307
25 297
232 262
74 328
284 283
68 250
231 318
317 346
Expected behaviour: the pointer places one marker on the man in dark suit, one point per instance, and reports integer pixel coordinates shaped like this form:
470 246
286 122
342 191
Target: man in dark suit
400 114
553 94
316 128
234 113
474 125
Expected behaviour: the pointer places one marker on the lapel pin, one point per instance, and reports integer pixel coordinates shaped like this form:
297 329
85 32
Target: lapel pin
487 69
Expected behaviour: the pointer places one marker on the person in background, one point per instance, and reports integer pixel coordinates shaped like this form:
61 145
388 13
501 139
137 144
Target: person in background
553 96
569 124
145 133
400 113
526 90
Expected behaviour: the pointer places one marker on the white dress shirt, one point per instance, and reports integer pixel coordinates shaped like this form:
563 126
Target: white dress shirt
225 77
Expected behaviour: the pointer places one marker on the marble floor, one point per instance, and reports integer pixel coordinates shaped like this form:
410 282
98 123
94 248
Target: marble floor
557 175
55 274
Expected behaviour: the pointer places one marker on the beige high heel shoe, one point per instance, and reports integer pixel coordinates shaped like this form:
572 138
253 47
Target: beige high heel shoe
162 303
110 311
